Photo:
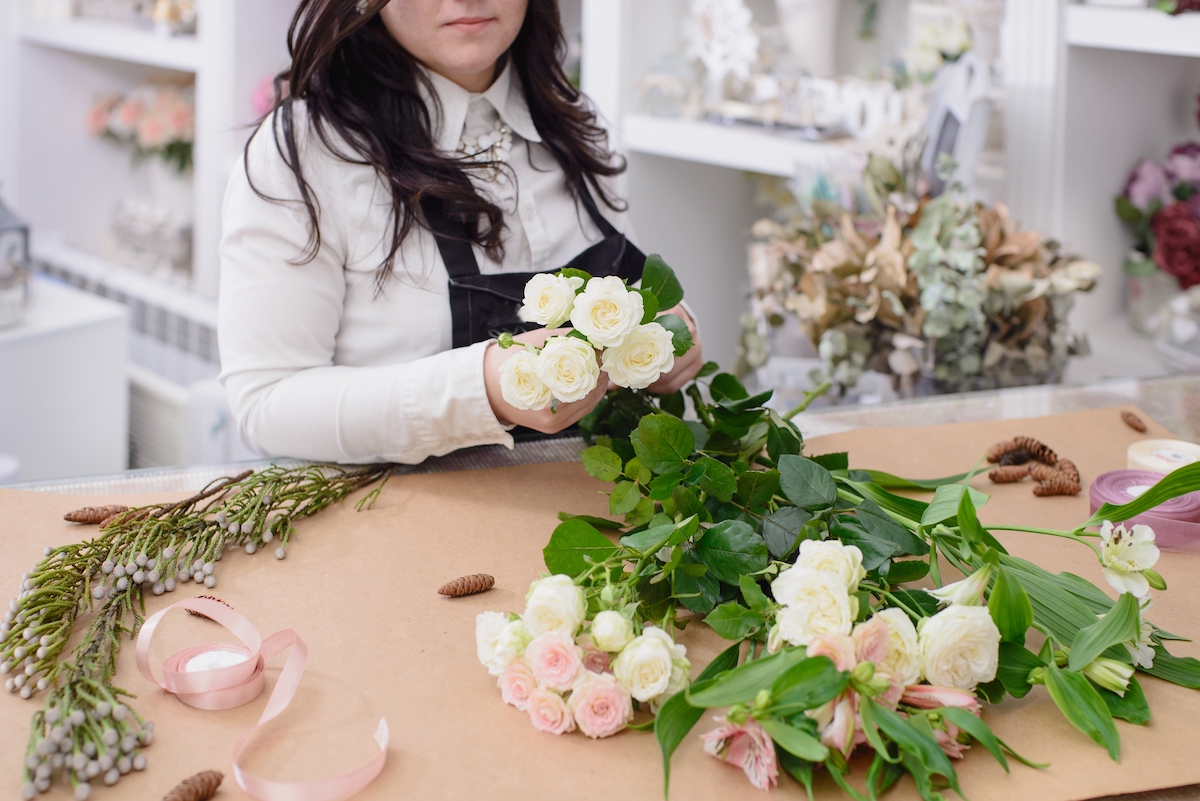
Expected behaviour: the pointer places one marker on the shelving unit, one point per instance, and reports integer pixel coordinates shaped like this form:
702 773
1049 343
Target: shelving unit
114 41
1141 30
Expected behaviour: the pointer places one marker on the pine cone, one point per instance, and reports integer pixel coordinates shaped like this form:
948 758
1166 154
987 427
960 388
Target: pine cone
207 598
1043 472
1038 450
1059 485
1134 422
467 585
91 515
200 787
1008 474
1068 469
1019 456
999 449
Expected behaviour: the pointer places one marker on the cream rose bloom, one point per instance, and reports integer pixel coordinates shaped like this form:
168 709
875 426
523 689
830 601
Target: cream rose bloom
831 556
646 353
646 665
554 604
611 631
960 647
498 641
903 657
549 299
520 383
567 366
606 311
815 604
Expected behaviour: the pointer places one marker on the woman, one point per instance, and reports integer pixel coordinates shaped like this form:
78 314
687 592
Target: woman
422 143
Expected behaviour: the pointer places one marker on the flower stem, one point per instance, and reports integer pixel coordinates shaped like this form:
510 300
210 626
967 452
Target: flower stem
809 397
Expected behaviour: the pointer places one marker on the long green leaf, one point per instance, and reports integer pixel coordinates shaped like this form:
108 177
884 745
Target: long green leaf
1013 670
1132 707
1010 608
979 730
946 501
908 508
799 769
1184 671
1060 611
889 481
807 685
1172 485
1118 626
795 741
919 743
743 682
1083 707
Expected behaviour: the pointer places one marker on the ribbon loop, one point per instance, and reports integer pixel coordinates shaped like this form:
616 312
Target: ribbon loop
237 684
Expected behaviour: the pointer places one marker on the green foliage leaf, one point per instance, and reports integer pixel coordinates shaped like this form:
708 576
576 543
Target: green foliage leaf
756 599
918 600
660 280
806 484
906 570
1082 705
598 522
879 525
743 682
730 550
780 529
733 621
1127 211
602 463
795 741
889 481
663 443
914 740
908 508
1179 482
571 542
1118 626
673 404
571 272
624 498
1133 707
687 503
727 387
677 717
649 305
833 461
718 480
681 335
708 369
1060 611
875 551
656 537
757 487
946 502
1184 671
978 730
783 438
662 486
699 593
799 769
1010 608
641 514
807 685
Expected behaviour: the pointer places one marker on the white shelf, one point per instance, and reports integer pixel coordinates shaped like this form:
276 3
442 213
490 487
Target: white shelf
1134 30
115 41
738 147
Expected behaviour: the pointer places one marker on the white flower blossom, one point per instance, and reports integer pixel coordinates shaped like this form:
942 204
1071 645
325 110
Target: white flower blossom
1125 554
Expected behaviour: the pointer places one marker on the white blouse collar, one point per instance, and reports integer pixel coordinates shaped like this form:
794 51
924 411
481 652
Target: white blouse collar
504 95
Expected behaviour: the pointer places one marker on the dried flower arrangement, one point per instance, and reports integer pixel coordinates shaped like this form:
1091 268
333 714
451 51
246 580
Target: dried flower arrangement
913 287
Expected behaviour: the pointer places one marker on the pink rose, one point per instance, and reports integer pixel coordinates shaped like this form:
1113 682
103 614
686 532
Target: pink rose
1184 163
127 115
517 684
839 648
555 660
601 706
924 696
1147 182
594 660
151 133
98 114
549 713
871 640
748 747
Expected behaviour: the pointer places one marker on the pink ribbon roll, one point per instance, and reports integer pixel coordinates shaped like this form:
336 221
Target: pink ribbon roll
1176 522
230 686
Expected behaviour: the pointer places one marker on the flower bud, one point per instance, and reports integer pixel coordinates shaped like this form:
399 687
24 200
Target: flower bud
1155 579
151 564
168 552
763 699
863 672
210 581
738 714
98 591
251 547
83 791
28 792
505 341
105 761
122 584
112 777
1109 674
92 770
118 571
27 692
198 577
103 710
43 683
139 762
222 519
110 737
139 577
1037 675
124 764
119 712
169 585
140 560
280 552
208 568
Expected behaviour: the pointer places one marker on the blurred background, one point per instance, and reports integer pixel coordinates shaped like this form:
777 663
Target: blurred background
901 198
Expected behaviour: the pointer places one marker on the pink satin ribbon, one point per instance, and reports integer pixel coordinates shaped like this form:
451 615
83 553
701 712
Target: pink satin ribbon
232 686
1176 522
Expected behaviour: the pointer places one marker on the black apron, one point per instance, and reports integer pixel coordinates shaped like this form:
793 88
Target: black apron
484 306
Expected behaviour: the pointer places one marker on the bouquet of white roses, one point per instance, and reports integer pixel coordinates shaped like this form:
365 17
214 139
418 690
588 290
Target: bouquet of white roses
567 672
635 343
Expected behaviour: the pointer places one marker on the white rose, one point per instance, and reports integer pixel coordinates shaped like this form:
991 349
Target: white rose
554 604
646 665
831 556
499 641
567 366
549 299
606 311
519 382
815 604
646 353
903 658
960 647
611 631
681 677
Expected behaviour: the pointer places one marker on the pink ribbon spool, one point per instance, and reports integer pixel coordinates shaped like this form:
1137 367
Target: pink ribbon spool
1176 522
233 685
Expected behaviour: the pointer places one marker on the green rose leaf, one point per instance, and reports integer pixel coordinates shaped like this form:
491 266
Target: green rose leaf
602 463
641 514
780 529
726 387
570 543
1082 705
624 498
1121 624
1010 608
697 593
662 486
833 461
730 550
756 599
879 525
718 480
733 621
795 741
649 305
906 570
783 438
571 272
660 280
663 443
681 335
598 522
806 484
758 487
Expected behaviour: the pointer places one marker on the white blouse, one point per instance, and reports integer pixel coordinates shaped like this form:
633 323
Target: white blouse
316 364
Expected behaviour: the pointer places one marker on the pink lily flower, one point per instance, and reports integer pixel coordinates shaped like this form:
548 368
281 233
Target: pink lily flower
748 747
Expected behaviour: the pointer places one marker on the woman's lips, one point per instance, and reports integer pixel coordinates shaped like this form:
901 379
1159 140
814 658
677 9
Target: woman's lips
470 24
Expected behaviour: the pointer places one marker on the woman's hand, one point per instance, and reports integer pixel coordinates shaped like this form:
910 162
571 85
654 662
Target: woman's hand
687 365
543 420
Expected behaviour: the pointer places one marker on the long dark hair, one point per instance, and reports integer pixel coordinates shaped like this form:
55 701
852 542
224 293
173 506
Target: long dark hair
358 84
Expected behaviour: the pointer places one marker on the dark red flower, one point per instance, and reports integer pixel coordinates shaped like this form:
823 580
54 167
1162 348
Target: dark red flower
1186 5
1177 243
